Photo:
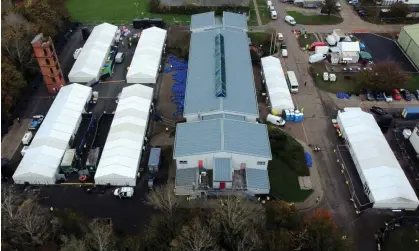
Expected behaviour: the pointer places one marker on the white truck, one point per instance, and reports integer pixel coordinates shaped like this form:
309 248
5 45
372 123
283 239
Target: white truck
292 82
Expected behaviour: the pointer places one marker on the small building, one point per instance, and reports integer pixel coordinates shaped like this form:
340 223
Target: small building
92 159
409 42
154 160
67 162
349 52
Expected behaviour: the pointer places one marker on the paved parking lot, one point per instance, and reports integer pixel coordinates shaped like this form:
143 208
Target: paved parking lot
382 48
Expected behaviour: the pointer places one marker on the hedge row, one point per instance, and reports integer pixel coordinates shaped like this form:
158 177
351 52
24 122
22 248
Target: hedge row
156 7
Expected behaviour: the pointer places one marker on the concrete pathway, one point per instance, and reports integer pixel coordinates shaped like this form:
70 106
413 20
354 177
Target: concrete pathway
317 196
12 140
257 12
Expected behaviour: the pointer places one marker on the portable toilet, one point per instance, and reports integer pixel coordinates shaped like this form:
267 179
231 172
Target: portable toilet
286 115
154 160
92 159
292 115
67 161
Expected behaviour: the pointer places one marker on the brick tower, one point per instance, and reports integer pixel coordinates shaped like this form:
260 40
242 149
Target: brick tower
48 62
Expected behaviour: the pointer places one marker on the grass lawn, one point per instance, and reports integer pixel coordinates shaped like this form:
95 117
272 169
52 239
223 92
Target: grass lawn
308 38
402 239
118 12
264 13
261 38
288 162
413 83
342 84
253 21
284 182
314 19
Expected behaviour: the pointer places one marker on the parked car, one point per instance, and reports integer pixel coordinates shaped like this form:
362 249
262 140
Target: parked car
369 95
271 8
150 183
124 192
417 94
379 96
280 37
283 46
377 110
284 53
396 95
388 97
406 94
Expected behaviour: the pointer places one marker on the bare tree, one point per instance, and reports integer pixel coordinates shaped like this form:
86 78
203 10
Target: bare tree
164 198
10 201
73 244
196 237
32 223
101 236
16 32
249 240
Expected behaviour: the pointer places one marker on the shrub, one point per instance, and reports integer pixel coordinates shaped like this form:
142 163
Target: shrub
155 6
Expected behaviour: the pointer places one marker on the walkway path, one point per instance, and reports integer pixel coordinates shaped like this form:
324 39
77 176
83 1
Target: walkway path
255 4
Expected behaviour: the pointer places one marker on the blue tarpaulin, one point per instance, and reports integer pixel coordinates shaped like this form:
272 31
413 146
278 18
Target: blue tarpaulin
309 160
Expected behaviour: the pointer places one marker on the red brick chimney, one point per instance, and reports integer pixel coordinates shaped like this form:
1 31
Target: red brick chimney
44 50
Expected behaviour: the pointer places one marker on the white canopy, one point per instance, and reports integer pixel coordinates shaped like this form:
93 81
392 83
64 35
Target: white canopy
384 180
146 60
276 84
349 46
43 157
121 155
93 54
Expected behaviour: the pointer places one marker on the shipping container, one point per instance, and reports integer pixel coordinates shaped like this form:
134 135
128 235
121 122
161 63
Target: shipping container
154 159
410 113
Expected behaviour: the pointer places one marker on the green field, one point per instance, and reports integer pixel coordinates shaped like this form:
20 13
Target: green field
300 18
117 12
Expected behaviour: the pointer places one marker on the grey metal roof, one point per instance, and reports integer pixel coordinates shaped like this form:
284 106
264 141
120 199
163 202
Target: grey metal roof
223 170
234 20
223 115
197 137
222 135
240 88
203 20
257 178
186 177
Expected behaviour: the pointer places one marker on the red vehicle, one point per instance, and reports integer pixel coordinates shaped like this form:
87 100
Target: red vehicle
396 95
315 44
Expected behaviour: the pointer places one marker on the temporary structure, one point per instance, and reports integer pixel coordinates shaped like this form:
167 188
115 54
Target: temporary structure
145 63
276 84
385 182
43 157
121 155
349 51
93 55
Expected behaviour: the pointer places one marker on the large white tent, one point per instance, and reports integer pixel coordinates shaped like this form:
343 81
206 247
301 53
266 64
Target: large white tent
385 182
145 63
93 55
121 155
43 157
276 84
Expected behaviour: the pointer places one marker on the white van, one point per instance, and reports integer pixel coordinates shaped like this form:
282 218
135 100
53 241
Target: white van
119 57
268 3
274 15
284 53
290 20
276 120
271 8
316 58
292 82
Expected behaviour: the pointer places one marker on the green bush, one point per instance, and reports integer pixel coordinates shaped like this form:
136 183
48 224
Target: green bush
155 6
289 151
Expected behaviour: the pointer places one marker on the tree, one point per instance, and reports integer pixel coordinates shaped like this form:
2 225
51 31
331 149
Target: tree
238 221
384 76
399 10
44 14
322 233
17 33
32 223
329 6
196 236
12 84
100 236
10 201
73 243
164 199
281 214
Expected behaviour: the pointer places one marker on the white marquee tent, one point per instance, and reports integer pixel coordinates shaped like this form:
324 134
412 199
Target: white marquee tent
385 182
43 157
93 55
145 63
276 84
121 155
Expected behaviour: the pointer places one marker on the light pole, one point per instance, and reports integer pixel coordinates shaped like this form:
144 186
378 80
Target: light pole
136 7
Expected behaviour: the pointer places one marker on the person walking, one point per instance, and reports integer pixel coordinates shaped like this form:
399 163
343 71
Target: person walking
18 120
305 83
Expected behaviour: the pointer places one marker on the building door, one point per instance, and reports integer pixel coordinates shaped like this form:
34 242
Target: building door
222 185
